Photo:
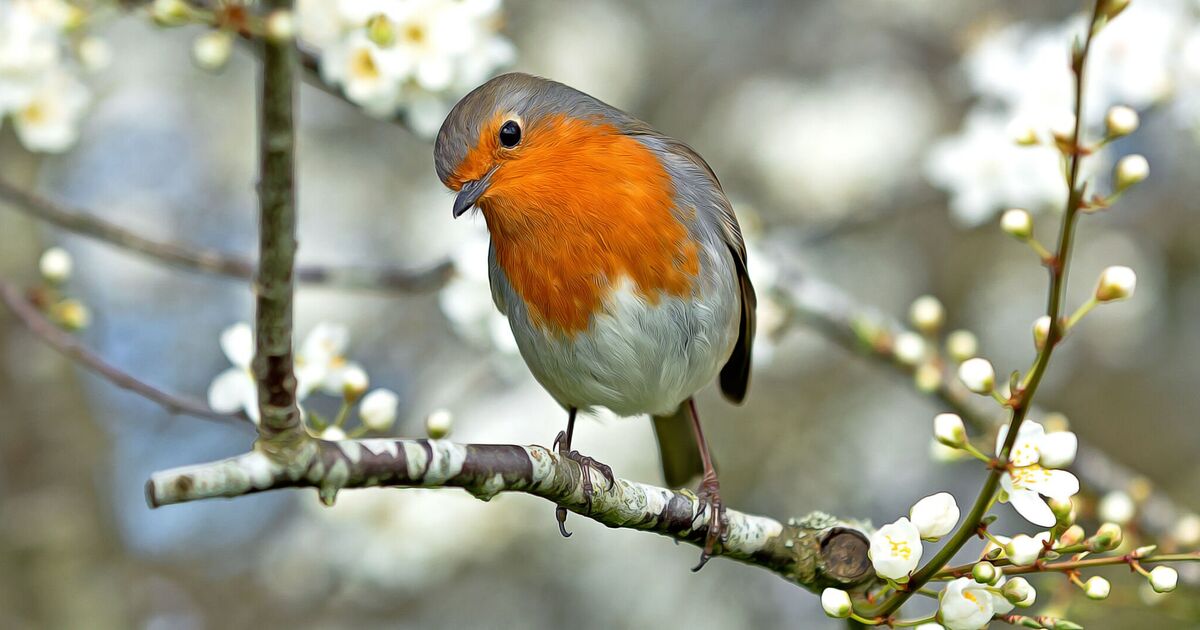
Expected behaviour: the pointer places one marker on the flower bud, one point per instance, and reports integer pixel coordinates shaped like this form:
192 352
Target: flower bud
1064 511
1142 552
909 348
1131 169
438 424
1023 550
978 375
333 434
94 53
281 26
212 49
1107 538
1121 121
927 378
1017 223
1025 136
56 265
71 314
1163 579
935 515
962 345
836 603
170 12
1118 507
927 314
1041 330
1187 530
1116 283
354 383
1073 536
381 31
949 430
986 573
1097 587
378 409
1019 591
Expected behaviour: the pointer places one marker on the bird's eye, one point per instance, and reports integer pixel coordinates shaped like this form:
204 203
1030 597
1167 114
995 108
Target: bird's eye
510 134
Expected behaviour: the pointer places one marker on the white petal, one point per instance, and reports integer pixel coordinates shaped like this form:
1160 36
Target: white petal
227 393
237 342
1057 484
1032 507
1058 449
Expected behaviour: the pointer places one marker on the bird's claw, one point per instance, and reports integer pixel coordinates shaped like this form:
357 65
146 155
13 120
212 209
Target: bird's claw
716 531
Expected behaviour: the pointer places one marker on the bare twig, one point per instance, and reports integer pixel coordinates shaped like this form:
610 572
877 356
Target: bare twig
813 552
67 345
215 262
273 364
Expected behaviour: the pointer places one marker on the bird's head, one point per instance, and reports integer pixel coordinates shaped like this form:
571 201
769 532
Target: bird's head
522 147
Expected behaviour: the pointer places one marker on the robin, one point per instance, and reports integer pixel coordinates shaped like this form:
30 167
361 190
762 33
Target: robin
616 258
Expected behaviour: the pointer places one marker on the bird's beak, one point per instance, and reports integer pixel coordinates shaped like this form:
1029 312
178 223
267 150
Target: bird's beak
470 193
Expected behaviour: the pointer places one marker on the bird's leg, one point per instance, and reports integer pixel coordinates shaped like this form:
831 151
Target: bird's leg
562 444
709 495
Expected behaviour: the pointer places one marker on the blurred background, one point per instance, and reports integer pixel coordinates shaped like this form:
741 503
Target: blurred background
867 143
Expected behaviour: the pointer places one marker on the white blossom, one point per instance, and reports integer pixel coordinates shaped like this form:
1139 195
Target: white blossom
414 56
235 389
378 409
895 549
968 605
935 515
1027 481
1121 121
48 120
1057 449
333 434
1017 223
927 313
321 362
962 345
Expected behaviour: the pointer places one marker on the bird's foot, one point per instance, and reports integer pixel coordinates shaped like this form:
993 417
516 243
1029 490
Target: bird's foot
716 531
589 491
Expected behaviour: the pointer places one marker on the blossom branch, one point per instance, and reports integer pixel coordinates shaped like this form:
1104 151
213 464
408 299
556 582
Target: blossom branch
838 317
67 345
1022 395
812 552
215 262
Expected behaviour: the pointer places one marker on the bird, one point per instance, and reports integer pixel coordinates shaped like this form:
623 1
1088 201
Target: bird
616 258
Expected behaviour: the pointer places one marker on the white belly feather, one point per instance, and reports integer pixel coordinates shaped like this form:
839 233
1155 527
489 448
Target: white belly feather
636 357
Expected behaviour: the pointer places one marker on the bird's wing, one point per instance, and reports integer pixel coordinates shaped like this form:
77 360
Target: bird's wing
497 280
735 376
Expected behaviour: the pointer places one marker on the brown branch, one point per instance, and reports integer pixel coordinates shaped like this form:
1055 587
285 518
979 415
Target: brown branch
67 345
274 285
812 552
213 261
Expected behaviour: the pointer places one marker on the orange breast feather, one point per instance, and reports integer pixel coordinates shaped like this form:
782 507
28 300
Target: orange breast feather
574 209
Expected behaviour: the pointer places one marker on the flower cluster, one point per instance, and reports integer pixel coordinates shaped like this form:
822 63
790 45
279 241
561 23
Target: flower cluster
56 266
321 366
1005 152
413 57
44 49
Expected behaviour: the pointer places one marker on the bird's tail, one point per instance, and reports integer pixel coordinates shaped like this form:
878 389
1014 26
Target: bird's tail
678 447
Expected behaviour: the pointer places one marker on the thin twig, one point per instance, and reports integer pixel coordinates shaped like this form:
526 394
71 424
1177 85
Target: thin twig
215 262
1022 396
67 345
